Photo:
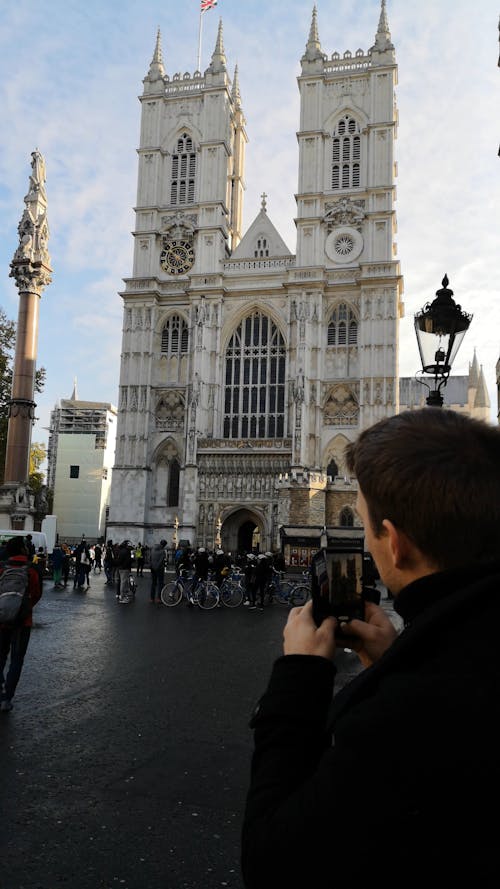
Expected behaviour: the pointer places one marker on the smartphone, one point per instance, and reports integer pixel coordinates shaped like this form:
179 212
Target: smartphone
337 582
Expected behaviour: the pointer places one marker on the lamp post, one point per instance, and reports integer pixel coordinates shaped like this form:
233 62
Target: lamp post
218 537
176 532
440 328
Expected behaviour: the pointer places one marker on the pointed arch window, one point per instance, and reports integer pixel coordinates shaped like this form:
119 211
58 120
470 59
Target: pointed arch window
174 337
173 483
346 154
183 171
343 327
254 390
346 518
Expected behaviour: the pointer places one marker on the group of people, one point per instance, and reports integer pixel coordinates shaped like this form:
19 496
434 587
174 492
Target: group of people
257 570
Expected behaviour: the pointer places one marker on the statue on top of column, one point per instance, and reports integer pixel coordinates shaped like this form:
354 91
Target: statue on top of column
38 173
31 262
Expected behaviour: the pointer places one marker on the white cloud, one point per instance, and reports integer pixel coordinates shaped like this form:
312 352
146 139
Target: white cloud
70 74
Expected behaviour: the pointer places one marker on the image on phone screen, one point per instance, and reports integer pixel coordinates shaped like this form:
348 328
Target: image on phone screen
337 583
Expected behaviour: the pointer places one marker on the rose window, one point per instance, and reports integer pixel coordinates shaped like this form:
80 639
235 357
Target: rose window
344 245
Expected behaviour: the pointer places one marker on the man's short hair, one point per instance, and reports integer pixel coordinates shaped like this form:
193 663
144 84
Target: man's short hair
435 474
16 546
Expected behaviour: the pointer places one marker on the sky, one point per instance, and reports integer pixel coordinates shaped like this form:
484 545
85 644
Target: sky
70 75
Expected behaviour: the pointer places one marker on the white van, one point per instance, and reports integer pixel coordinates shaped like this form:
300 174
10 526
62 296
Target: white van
38 537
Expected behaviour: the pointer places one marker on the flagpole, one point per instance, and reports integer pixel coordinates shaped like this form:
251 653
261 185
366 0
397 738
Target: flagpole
199 40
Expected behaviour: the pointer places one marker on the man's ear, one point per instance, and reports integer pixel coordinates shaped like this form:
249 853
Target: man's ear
400 547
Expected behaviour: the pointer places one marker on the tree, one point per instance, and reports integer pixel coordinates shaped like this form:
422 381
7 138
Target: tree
38 453
7 349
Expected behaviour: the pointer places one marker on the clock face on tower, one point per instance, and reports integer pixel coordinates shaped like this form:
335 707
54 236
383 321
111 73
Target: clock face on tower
177 257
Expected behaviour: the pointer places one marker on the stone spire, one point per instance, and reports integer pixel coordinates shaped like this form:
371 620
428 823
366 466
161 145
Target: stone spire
218 62
235 92
482 398
313 45
383 36
74 394
473 372
156 69
30 265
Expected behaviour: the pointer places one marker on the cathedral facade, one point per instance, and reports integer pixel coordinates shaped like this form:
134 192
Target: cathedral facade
245 368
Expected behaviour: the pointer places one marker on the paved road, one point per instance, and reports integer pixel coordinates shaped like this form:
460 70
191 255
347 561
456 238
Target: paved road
125 760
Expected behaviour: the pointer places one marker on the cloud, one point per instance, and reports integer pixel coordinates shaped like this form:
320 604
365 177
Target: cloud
70 76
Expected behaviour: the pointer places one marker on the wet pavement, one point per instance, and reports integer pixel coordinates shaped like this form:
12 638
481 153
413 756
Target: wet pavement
125 760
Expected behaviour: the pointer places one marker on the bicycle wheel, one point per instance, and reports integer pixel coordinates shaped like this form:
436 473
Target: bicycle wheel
231 594
284 593
207 595
171 594
299 594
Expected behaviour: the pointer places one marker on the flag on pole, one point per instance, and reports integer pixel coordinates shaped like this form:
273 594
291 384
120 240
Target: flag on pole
208 4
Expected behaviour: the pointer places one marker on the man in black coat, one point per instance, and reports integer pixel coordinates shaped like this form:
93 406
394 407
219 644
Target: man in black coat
394 781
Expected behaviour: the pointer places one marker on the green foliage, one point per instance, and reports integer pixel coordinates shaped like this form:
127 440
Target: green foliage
7 349
38 453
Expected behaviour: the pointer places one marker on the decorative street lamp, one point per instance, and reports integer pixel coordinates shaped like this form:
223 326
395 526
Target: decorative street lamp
440 327
218 536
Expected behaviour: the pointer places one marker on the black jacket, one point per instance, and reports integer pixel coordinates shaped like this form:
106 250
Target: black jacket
395 782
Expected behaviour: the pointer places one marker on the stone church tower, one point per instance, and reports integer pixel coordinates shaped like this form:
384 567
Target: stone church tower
246 369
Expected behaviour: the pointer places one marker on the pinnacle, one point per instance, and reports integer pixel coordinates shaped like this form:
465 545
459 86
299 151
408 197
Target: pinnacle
218 62
156 69
383 36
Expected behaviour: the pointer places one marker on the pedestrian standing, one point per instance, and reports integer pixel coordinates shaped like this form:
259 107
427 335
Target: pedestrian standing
97 558
264 571
14 639
157 560
124 566
139 559
57 565
66 564
108 562
250 572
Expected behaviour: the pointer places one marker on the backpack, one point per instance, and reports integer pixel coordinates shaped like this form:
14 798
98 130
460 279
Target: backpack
14 595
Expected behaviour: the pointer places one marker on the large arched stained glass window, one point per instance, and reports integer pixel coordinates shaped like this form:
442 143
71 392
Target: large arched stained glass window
254 391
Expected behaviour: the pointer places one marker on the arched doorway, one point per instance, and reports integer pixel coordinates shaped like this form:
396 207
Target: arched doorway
245 534
238 529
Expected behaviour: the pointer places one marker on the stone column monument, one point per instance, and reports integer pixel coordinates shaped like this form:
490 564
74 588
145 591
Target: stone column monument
30 267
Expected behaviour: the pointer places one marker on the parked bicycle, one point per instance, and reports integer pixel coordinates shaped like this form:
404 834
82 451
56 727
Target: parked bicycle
205 593
231 590
287 592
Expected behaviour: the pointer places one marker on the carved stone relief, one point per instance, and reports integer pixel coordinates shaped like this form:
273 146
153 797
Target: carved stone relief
341 407
170 411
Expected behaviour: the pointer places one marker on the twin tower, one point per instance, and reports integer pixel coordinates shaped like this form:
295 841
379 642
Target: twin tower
246 368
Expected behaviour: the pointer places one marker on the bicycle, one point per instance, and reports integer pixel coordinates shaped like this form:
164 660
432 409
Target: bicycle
231 590
289 593
206 593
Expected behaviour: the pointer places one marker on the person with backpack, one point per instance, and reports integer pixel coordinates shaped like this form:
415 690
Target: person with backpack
20 590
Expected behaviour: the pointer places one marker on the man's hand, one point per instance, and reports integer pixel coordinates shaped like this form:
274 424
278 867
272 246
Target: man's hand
369 638
302 636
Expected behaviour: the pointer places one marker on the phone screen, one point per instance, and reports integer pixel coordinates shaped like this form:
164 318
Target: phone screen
337 582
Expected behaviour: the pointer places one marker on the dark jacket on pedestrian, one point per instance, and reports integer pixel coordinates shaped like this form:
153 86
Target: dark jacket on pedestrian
201 564
124 558
157 558
394 783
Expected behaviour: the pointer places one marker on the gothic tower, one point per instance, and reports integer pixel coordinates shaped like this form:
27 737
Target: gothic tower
246 369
